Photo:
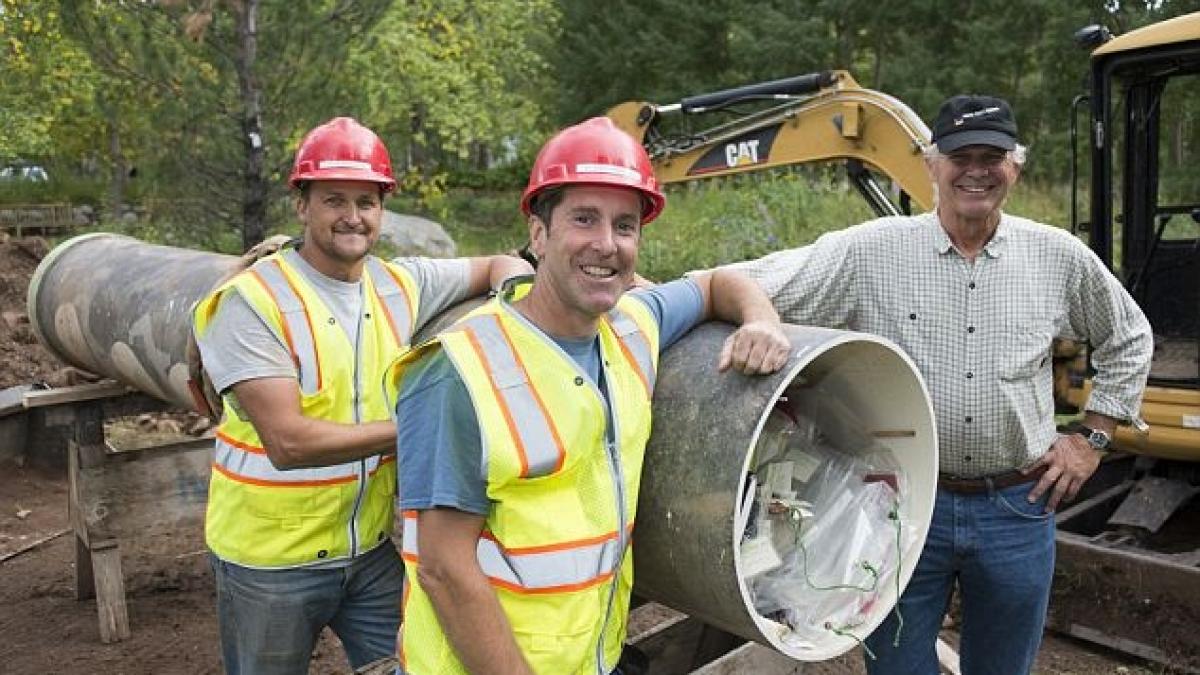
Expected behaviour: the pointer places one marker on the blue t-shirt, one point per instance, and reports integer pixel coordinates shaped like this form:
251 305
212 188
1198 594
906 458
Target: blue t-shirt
440 451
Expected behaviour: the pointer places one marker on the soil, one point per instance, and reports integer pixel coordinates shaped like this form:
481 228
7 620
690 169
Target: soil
22 359
172 621
171 604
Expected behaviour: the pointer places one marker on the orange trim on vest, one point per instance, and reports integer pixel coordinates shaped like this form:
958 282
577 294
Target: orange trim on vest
287 334
280 483
296 483
308 319
547 548
637 367
558 444
387 312
521 590
240 445
508 420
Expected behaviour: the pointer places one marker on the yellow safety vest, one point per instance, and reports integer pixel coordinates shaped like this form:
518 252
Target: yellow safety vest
556 544
263 517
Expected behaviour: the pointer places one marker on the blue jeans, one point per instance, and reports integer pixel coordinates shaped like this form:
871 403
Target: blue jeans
1000 550
270 619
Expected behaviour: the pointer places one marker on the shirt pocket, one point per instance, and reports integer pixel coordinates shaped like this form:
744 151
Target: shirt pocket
1025 350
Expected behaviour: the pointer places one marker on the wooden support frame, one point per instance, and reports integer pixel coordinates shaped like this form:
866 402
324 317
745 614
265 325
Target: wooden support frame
117 497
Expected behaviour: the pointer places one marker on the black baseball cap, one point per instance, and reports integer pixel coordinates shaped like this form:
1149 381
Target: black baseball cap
975 120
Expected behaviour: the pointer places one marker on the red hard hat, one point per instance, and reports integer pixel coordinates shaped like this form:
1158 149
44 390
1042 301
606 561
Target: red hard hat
342 149
595 152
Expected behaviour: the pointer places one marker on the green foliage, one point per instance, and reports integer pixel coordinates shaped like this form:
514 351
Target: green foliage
454 87
480 221
711 223
716 222
920 52
43 78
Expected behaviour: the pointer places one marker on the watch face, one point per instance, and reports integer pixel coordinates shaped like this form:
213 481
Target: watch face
1098 439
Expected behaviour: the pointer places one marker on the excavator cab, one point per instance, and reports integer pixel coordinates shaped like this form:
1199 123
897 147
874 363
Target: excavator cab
1132 536
1145 207
1145 194
813 118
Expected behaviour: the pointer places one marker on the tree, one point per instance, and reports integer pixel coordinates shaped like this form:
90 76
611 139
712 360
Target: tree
455 82
235 83
43 77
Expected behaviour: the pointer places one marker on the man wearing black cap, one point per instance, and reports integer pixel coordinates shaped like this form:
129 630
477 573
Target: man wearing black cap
975 296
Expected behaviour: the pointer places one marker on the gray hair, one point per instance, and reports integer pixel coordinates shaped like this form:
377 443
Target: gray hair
1018 154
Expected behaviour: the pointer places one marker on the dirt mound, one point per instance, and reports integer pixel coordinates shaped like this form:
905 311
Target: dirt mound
22 359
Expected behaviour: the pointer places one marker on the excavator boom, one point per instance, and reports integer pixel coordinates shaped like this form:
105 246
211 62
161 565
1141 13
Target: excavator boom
820 117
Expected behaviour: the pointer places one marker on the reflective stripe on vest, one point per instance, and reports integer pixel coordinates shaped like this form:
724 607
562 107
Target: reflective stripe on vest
297 331
393 298
557 568
533 432
245 463
635 346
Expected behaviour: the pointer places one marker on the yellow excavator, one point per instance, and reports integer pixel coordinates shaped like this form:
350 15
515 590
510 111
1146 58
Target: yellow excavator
1129 547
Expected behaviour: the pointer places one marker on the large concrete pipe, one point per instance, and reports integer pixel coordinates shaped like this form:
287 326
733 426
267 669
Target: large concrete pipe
706 429
119 307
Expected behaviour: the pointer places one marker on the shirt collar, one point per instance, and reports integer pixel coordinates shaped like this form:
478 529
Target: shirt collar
943 245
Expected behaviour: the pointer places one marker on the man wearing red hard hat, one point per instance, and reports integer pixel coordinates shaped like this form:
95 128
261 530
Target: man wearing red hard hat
300 506
522 427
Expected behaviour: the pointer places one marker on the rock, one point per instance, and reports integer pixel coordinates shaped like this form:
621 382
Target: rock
34 247
198 425
83 215
13 319
413 235
70 376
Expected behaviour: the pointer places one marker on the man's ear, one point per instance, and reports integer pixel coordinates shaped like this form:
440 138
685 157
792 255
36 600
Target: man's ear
538 233
301 205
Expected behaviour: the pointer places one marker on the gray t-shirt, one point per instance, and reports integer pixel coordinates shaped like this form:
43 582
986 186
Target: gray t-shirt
239 345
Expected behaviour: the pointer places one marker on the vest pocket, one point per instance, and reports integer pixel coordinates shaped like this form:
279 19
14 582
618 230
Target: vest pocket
557 652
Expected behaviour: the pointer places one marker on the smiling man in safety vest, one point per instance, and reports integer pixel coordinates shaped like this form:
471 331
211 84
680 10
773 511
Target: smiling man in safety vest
300 505
522 427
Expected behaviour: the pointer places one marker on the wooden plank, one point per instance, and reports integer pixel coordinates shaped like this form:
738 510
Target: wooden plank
671 645
85 583
12 399
74 394
85 580
1127 646
33 544
752 657
110 592
149 493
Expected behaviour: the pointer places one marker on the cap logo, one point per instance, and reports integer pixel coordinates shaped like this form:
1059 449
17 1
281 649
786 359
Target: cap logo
343 164
958 122
610 169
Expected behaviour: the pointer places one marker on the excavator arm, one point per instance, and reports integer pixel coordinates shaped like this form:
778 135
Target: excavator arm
820 117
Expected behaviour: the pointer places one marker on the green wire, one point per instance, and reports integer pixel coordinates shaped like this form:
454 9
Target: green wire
795 518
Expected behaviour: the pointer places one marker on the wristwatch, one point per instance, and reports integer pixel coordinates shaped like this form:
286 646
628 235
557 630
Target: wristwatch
1097 438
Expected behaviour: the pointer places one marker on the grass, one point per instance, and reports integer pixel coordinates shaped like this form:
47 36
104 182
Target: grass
713 222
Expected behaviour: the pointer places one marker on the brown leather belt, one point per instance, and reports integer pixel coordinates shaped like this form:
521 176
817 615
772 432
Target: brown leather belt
997 481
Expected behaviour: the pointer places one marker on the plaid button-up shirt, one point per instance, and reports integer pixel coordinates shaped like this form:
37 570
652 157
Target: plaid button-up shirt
980 332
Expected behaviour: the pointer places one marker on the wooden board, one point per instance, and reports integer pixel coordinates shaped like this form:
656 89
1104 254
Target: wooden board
146 493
